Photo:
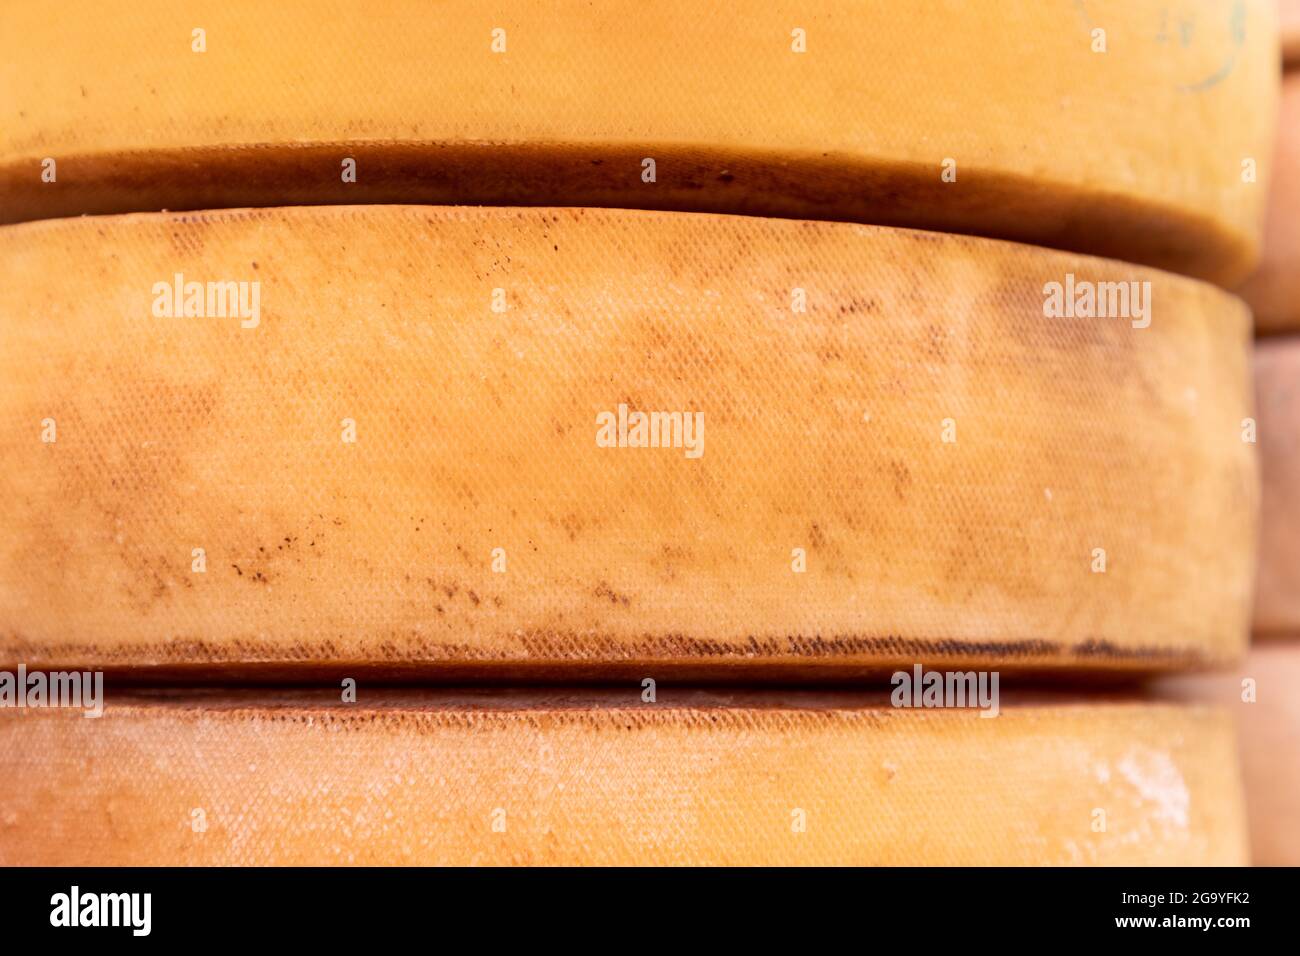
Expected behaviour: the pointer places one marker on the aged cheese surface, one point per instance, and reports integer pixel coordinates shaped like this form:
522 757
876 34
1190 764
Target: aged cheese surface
1115 127
802 780
407 436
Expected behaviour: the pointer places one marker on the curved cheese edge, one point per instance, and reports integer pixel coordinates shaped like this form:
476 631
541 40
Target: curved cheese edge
626 784
1130 138
879 449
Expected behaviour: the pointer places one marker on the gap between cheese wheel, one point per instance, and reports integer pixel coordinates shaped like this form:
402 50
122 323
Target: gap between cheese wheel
903 458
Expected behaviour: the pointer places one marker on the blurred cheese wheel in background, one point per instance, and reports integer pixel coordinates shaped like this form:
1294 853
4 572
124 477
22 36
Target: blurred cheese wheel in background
419 449
1289 12
1114 127
1261 694
1273 292
774 779
1270 746
1277 384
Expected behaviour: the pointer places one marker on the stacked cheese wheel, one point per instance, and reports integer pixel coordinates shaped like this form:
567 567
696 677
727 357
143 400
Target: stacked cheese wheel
370 434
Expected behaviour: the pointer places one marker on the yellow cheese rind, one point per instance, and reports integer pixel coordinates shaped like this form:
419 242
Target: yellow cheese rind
1273 292
946 464
1135 151
1277 382
822 783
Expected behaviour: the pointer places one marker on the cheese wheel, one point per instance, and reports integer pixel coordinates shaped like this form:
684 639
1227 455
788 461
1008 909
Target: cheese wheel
422 443
1115 127
1277 596
1261 694
826 780
1273 292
